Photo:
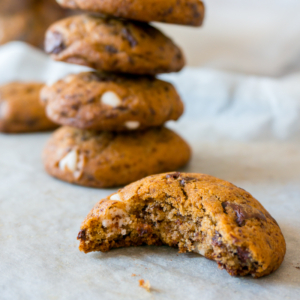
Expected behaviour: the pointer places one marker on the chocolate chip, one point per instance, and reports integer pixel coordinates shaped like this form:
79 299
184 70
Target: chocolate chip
75 106
91 100
152 111
243 254
32 122
54 43
173 175
216 240
81 235
168 11
185 180
129 37
111 49
244 212
144 229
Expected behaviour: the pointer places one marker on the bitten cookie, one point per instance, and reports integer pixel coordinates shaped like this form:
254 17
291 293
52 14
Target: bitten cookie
107 159
113 45
194 212
184 12
20 108
110 102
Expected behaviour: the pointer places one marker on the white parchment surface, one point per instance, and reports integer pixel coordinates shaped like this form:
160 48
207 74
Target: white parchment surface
242 129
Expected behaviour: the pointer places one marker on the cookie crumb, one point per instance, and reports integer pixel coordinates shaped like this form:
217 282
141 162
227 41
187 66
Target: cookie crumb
145 285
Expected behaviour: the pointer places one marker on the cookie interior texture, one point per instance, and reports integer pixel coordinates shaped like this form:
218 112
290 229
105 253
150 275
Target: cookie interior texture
108 159
194 212
20 108
184 12
102 101
113 45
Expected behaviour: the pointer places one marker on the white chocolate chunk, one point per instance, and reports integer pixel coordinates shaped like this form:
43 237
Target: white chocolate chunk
115 197
132 125
111 99
200 248
69 162
117 218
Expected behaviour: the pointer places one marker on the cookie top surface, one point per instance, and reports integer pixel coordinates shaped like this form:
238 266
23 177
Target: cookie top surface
113 45
20 108
213 217
110 102
106 159
184 12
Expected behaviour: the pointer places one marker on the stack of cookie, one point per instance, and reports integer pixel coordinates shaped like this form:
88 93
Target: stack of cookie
113 119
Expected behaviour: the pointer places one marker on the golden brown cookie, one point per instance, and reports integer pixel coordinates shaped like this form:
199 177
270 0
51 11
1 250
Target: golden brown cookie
107 159
113 45
184 12
20 108
13 6
30 24
194 212
102 101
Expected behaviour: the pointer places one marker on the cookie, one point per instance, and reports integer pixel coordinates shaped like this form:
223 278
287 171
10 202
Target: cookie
20 109
184 12
113 45
14 6
106 159
194 212
29 25
110 102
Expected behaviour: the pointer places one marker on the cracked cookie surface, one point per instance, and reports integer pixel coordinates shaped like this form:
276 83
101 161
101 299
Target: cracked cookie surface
20 108
110 102
184 12
194 212
107 159
113 45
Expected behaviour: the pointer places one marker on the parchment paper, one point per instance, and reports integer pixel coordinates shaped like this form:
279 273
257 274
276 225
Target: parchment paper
40 216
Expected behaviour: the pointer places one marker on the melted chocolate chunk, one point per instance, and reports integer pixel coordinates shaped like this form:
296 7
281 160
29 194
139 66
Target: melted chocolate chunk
129 37
54 43
216 240
243 254
244 212
185 180
81 235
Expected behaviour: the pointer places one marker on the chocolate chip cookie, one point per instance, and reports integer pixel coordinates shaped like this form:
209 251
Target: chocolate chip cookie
13 6
102 101
30 24
106 159
113 45
184 12
194 212
20 108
